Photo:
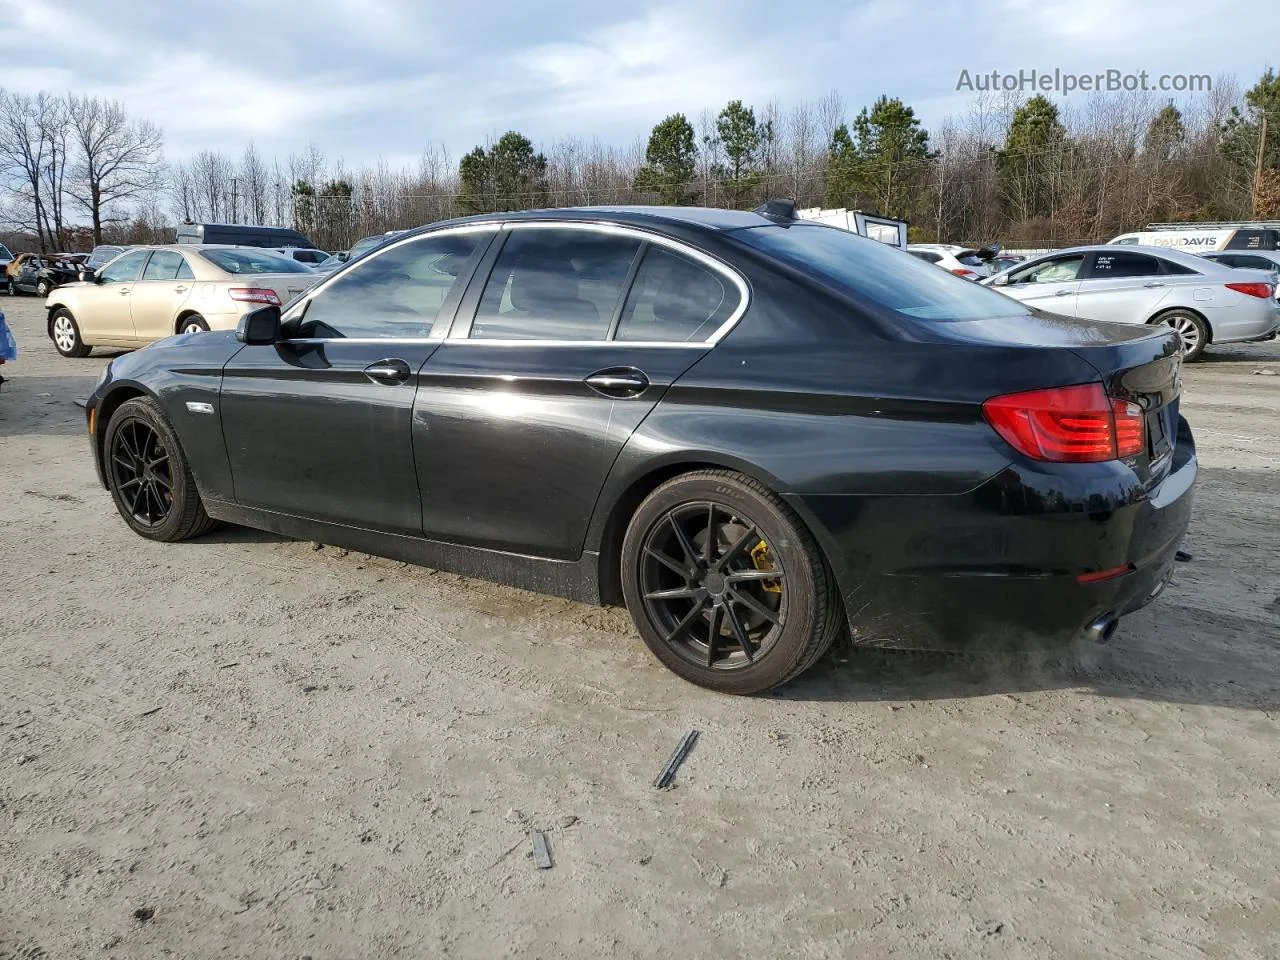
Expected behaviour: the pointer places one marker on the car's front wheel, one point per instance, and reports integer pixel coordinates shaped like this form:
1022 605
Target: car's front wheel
42 288
1191 330
66 334
148 474
726 585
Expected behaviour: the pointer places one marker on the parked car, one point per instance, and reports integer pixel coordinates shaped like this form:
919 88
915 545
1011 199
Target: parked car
149 293
6 257
331 263
755 432
58 269
307 255
962 261
103 254
361 247
1205 302
1268 260
240 234
21 274
1004 261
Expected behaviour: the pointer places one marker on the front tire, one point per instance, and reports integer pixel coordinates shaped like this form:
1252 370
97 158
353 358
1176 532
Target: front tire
66 335
43 288
1190 328
149 476
726 585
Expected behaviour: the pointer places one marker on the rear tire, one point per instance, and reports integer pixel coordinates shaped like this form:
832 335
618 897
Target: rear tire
1191 329
149 477
193 323
705 605
66 335
42 288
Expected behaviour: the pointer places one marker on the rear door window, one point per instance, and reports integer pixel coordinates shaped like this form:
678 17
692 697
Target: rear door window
675 299
1119 266
165 265
554 283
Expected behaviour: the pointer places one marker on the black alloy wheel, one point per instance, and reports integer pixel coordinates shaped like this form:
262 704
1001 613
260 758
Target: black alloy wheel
711 586
726 585
150 479
142 472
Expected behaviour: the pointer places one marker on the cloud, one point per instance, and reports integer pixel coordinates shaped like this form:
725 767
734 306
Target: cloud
383 78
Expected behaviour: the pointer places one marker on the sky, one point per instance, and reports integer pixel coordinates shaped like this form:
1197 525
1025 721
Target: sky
370 80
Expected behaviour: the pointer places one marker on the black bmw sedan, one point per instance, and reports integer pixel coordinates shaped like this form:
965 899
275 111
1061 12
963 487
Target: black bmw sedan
754 431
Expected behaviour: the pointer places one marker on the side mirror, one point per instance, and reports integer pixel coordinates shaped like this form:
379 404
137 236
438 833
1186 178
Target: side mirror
260 327
1000 280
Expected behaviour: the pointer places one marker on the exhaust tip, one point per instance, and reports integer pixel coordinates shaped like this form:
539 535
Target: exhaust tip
1103 629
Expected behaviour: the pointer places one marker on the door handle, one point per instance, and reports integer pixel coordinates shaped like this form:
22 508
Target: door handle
124 291
1154 283
181 288
618 382
391 371
1063 293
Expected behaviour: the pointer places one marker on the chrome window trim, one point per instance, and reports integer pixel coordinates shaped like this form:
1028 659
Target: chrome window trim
305 300
602 226
714 264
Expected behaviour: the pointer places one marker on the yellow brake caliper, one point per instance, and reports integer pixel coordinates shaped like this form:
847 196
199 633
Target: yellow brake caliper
760 557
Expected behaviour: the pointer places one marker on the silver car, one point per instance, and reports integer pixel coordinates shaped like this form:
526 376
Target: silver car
1205 302
1268 260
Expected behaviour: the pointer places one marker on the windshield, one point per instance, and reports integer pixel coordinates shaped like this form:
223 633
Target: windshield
249 260
4 252
879 273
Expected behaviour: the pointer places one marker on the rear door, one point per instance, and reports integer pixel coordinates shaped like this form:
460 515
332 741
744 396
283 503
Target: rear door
158 295
318 425
561 349
1050 284
1122 287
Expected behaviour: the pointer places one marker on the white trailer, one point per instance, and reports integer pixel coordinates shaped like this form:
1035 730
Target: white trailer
871 225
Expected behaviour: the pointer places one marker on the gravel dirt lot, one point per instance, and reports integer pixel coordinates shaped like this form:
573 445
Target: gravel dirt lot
247 747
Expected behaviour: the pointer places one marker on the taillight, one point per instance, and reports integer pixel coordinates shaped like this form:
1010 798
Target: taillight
1076 424
1263 291
962 272
255 295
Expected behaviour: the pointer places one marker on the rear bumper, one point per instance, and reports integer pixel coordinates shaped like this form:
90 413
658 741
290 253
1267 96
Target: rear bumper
998 568
1246 323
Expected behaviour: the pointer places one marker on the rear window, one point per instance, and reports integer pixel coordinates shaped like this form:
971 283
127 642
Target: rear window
879 273
249 261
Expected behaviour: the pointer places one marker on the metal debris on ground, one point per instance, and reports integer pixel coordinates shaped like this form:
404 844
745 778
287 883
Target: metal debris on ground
541 850
1182 556
682 751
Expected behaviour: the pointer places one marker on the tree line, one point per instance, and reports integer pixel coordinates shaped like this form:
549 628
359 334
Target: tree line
1026 172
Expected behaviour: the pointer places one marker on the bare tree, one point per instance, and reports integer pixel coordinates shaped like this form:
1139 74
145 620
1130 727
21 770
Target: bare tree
253 184
33 161
801 128
118 160
831 111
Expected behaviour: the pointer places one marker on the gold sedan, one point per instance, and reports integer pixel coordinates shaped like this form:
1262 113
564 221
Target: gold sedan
148 293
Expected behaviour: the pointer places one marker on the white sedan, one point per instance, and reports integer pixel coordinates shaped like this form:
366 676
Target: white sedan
1205 302
148 293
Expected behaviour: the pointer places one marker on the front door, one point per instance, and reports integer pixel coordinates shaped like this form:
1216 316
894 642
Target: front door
158 296
318 425
523 410
104 307
1049 285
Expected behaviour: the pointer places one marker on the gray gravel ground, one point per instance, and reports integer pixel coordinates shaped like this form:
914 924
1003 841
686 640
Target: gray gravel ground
242 746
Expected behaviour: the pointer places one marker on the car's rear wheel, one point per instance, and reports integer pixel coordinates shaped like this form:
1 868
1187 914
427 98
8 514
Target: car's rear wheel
66 334
1191 330
192 323
43 288
726 585
148 474
10 289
